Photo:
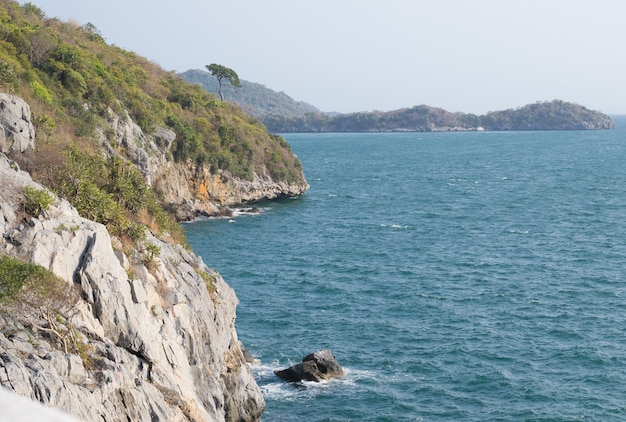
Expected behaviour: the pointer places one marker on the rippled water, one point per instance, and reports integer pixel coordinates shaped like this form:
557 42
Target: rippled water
456 276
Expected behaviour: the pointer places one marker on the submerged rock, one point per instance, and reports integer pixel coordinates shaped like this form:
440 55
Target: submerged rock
319 366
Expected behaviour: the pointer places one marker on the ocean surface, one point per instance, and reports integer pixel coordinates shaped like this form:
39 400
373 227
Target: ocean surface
475 276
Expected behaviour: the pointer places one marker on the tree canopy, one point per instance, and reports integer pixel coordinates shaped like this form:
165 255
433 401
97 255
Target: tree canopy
223 72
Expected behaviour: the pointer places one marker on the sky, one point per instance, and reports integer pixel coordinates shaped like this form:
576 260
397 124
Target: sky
347 56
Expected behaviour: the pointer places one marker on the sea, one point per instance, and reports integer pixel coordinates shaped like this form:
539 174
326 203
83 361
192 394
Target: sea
458 276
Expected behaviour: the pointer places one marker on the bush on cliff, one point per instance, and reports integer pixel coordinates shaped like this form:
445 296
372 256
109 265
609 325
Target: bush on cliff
114 193
39 298
36 200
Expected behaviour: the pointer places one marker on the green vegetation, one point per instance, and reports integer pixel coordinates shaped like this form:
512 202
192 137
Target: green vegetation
15 273
151 252
222 72
41 299
98 194
75 84
36 201
210 283
553 115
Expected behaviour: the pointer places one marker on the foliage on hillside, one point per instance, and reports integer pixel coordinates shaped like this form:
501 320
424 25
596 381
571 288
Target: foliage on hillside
554 115
255 99
74 81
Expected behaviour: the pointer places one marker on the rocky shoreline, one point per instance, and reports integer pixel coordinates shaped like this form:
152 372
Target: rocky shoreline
160 345
157 335
191 190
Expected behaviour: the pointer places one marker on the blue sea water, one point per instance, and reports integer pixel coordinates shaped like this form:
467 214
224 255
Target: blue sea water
456 276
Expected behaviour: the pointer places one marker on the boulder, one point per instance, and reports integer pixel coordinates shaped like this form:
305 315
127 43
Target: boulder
17 133
319 366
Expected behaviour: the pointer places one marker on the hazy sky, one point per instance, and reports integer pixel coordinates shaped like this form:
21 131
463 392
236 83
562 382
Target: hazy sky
360 55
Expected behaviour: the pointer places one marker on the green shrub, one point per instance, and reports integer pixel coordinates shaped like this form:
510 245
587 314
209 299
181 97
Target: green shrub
151 252
210 283
36 201
43 124
40 298
15 273
40 91
7 75
126 184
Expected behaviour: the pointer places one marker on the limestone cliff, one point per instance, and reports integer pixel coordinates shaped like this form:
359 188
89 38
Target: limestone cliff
190 189
159 337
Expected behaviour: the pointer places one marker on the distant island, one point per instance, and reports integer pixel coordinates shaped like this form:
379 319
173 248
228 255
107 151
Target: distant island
553 115
282 114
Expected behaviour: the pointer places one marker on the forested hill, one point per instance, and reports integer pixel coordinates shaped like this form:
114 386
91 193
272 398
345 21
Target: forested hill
553 115
255 99
109 108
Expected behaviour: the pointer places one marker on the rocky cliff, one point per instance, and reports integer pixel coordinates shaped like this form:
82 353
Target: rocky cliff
157 335
190 189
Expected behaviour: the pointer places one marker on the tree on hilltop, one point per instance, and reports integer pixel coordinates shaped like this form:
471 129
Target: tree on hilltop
223 72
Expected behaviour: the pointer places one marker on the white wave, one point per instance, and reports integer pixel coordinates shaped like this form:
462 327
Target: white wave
274 388
395 226
515 231
248 211
354 376
263 370
234 212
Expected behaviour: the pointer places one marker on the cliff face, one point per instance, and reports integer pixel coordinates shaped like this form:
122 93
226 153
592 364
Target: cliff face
189 189
158 335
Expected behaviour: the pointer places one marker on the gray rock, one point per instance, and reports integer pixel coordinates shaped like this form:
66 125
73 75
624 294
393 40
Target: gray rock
17 134
319 366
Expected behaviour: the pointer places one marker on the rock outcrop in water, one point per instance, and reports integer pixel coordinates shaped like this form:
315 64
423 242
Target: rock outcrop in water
319 366
158 337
